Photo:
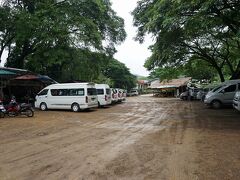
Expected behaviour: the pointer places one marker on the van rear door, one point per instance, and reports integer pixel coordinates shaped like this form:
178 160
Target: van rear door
91 96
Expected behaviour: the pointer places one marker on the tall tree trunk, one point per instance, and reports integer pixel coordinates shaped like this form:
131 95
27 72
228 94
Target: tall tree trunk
1 52
17 60
236 74
220 73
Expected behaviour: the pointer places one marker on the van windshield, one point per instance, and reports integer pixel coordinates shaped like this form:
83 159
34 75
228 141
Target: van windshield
91 91
217 88
43 92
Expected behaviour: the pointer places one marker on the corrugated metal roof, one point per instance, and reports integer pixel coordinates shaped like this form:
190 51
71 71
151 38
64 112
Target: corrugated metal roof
170 83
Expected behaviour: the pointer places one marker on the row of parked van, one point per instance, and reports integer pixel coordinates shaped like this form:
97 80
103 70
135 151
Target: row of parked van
78 96
227 93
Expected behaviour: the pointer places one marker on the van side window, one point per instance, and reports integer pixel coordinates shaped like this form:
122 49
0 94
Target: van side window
43 92
54 92
100 91
76 92
67 92
231 88
91 92
63 92
59 92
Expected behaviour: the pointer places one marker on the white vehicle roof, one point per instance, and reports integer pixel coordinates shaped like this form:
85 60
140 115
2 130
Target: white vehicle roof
102 86
70 85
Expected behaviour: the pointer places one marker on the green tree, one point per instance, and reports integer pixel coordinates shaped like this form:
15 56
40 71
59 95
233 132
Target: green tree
62 37
206 30
193 68
6 29
119 75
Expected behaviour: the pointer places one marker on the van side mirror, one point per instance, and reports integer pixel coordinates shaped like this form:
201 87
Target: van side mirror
223 91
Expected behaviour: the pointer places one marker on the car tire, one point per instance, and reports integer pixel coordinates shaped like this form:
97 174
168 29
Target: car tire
43 106
75 107
216 104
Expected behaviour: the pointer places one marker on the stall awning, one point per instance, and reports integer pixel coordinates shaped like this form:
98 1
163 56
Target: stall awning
5 72
44 79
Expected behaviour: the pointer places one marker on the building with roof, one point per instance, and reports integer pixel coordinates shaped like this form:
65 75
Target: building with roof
173 87
23 84
142 85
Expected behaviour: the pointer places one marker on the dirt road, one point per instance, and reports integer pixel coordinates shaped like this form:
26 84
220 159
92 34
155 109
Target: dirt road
144 138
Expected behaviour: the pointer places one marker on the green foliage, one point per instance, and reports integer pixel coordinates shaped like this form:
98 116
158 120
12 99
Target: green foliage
68 39
142 78
165 73
199 70
194 68
183 29
119 75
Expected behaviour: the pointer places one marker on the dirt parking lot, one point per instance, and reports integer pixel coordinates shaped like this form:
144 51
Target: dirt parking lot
143 138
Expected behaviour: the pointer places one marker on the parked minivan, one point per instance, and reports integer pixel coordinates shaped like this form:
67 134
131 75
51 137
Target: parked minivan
202 93
133 92
74 96
119 94
222 94
104 94
236 100
114 95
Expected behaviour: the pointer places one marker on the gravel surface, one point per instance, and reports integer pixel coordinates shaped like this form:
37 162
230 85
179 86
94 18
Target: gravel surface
143 138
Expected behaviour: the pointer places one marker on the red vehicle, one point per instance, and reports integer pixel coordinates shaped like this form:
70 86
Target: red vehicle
15 109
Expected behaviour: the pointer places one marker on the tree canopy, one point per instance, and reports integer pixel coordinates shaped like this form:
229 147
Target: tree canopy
119 75
184 30
66 39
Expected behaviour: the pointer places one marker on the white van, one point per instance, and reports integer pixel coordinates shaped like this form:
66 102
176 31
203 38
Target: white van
114 96
119 95
124 94
222 94
236 100
104 94
75 96
133 92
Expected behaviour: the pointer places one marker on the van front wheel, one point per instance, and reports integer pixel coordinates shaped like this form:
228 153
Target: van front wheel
75 107
216 104
43 106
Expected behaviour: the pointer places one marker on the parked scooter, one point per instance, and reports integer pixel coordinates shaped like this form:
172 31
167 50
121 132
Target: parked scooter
15 109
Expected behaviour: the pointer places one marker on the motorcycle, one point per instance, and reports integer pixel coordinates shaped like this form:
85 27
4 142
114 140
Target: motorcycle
2 110
15 109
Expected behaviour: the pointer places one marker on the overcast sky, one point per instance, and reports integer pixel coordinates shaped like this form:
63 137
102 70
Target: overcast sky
131 52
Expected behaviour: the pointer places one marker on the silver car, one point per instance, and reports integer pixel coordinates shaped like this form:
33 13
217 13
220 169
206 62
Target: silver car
223 94
236 101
